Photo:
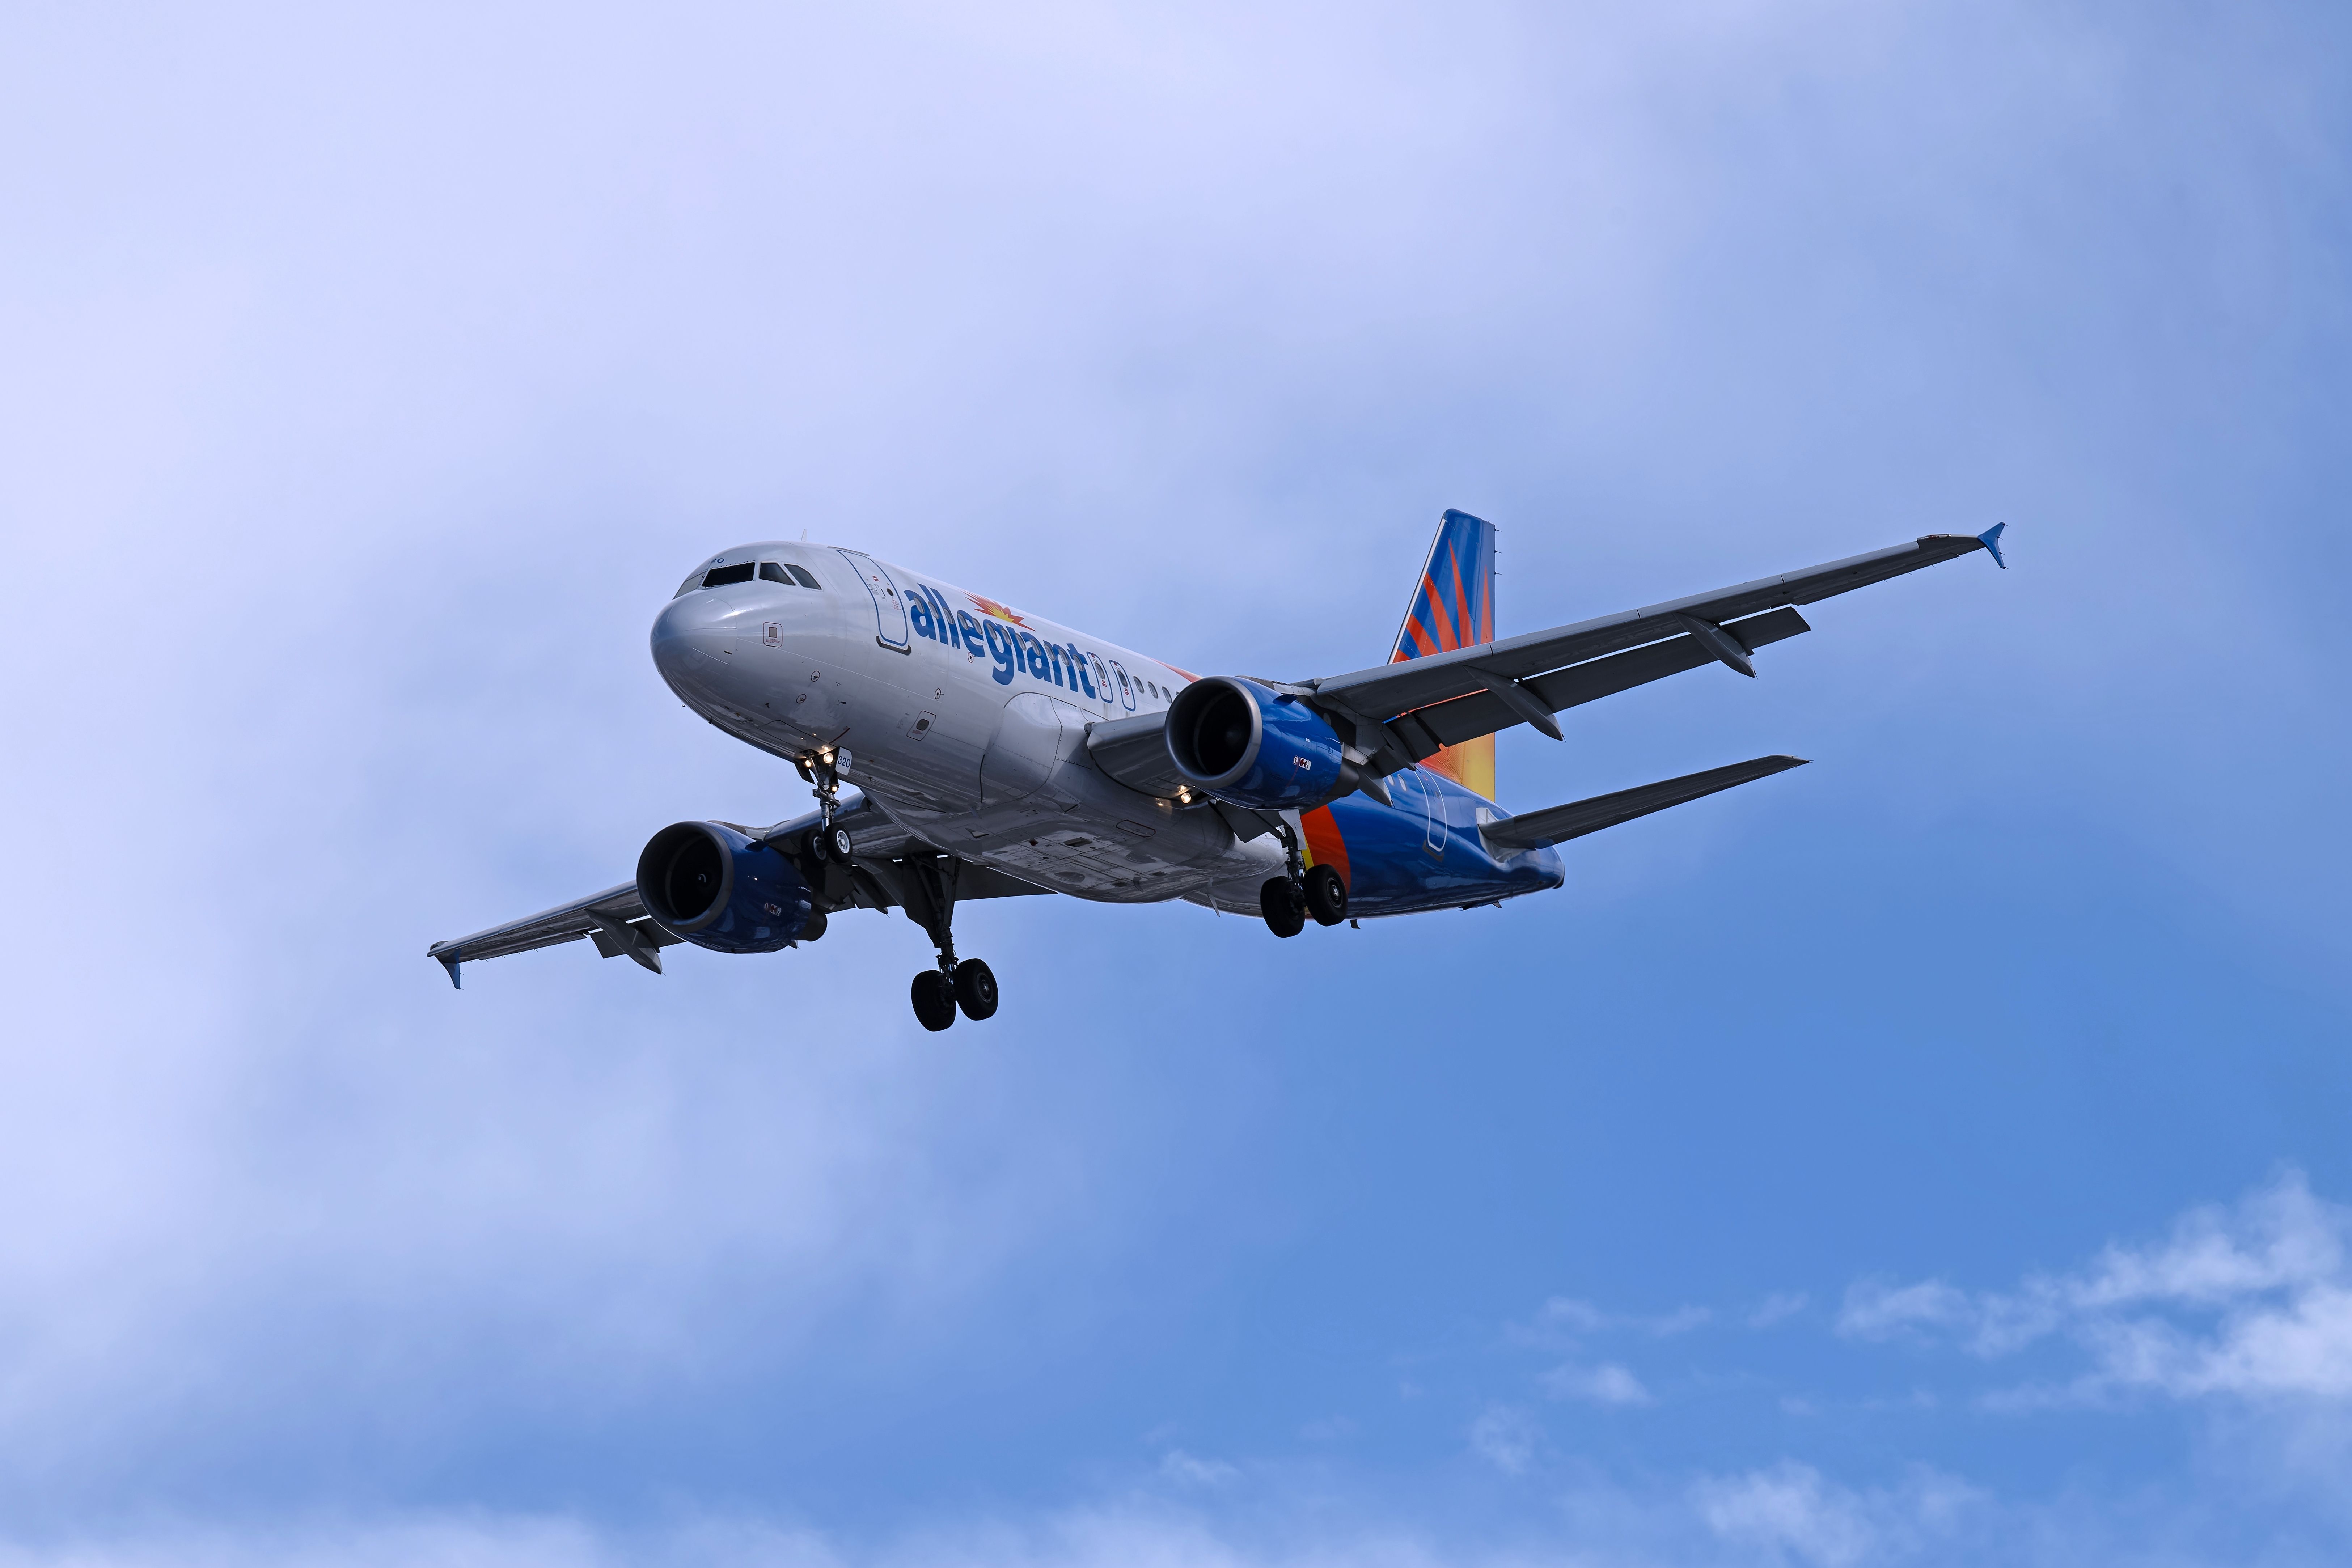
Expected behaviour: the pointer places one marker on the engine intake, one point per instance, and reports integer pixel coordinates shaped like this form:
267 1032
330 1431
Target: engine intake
1236 741
715 888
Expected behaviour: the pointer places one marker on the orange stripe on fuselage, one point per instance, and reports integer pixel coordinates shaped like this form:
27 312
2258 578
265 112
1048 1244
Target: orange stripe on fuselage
1323 844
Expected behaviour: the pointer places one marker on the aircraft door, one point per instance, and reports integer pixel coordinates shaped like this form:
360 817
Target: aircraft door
889 604
1104 691
1126 685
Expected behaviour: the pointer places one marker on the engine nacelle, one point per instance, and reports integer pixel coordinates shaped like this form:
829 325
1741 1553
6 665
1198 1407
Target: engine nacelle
713 887
1236 741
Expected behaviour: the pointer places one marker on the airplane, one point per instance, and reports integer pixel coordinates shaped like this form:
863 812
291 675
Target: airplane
958 748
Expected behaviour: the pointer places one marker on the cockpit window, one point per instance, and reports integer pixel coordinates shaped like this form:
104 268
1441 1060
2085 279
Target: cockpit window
720 576
801 575
771 572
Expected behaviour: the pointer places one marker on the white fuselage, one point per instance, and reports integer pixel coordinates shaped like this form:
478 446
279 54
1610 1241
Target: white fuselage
964 719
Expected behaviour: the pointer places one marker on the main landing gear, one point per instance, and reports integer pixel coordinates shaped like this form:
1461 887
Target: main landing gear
937 993
1287 901
965 984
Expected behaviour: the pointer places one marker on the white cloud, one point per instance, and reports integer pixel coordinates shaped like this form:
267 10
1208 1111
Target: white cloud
1789 1507
1189 1471
1506 1438
1793 1510
1608 1383
2253 1302
1874 1310
1573 1316
1564 1319
1681 1320
1778 1307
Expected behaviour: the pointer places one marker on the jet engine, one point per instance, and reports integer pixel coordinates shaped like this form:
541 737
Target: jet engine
1239 741
715 889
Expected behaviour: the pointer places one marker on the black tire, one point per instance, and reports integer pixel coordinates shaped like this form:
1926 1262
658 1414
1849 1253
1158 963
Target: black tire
975 989
812 927
837 844
1285 910
935 1006
1327 896
816 849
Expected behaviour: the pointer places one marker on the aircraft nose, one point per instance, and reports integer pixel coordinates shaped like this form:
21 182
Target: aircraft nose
693 636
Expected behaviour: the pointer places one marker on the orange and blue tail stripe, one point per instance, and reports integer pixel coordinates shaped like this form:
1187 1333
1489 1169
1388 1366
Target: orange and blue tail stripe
1452 606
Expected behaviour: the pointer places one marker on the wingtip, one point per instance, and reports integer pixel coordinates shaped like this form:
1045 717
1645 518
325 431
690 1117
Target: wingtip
1990 539
449 961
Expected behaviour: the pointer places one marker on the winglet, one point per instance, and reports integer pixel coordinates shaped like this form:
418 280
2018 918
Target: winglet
1990 539
450 961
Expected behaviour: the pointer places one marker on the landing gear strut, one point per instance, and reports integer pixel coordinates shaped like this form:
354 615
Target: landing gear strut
957 983
823 770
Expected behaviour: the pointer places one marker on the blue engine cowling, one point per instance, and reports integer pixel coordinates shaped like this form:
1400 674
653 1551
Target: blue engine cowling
1236 741
715 888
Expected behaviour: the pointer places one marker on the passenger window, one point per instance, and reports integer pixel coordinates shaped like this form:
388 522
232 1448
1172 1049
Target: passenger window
771 572
801 575
722 576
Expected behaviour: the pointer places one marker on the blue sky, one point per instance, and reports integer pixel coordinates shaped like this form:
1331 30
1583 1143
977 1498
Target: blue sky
1932 1155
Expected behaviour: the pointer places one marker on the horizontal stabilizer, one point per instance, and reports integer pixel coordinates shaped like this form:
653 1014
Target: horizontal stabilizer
1573 820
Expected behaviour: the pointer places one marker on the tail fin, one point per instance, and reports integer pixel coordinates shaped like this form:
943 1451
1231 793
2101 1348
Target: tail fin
1452 606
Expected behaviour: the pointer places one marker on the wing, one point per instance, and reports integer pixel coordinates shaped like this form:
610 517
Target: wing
1135 752
616 919
1560 823
1403 712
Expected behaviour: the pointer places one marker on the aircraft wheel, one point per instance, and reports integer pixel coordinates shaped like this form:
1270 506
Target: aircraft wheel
975 989
1327 896
812 927
935 1003
1284 909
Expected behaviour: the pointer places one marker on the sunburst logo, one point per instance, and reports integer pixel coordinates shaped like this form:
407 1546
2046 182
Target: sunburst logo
990 607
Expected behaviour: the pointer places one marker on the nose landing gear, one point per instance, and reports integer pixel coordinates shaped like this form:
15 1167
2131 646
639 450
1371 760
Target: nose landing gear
823 770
